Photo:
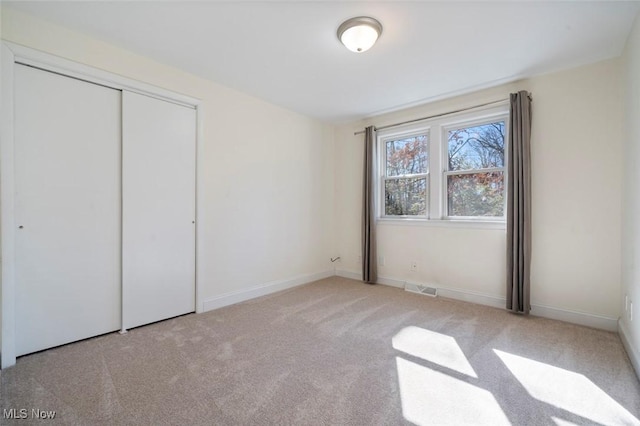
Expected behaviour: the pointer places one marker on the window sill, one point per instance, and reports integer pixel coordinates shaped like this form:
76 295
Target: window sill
444 223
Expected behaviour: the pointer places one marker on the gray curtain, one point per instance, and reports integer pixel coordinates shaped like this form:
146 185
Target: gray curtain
519 204
369 252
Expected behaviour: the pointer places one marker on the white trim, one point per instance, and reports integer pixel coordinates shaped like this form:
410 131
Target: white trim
444 223
10 55
581 318
200 196
348 274
238 296
575 317
474 117
448 292
7 288
46 61
634 357
391 282
472 297
473 171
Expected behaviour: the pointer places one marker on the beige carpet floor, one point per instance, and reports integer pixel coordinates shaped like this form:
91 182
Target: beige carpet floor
334 352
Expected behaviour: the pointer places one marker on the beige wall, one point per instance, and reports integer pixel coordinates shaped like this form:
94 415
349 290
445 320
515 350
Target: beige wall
268 172
631 197
576 162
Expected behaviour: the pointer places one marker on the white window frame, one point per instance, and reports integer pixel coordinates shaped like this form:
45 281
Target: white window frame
437 169
382 155
445 162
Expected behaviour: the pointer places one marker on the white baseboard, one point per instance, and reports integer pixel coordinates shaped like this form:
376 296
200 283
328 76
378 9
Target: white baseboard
628 345
582 318
574 317
349 274
472 296
234 297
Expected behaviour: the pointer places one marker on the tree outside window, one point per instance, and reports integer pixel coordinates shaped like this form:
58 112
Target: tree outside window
446 169
475 172
405 186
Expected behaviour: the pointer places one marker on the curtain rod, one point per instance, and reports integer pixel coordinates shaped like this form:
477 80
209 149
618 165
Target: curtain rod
388 126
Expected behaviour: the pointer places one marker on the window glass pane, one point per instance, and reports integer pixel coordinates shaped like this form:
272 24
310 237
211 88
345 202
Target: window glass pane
478 147
476 194
405 197
407 156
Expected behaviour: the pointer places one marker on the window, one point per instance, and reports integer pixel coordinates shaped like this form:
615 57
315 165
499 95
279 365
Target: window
405 176
475 171
446 169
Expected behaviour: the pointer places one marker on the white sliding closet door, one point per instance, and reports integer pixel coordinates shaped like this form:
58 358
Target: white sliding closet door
159 184
67 209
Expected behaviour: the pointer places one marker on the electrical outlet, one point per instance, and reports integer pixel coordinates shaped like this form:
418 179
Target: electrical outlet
381 260
414 266
359 259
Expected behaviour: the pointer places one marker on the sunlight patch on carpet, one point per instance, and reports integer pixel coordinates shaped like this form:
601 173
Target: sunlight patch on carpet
433 347
429 397
566 390
562 422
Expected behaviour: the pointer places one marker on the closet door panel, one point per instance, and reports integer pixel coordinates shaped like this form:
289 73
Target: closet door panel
67 209
159 142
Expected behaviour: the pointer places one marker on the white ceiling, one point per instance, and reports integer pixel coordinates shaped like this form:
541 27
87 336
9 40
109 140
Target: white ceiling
287 52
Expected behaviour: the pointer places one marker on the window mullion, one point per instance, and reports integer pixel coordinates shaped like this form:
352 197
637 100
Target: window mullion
416 176
474 171
434 201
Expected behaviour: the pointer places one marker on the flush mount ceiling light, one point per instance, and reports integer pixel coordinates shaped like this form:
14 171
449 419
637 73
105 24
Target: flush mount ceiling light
360 33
